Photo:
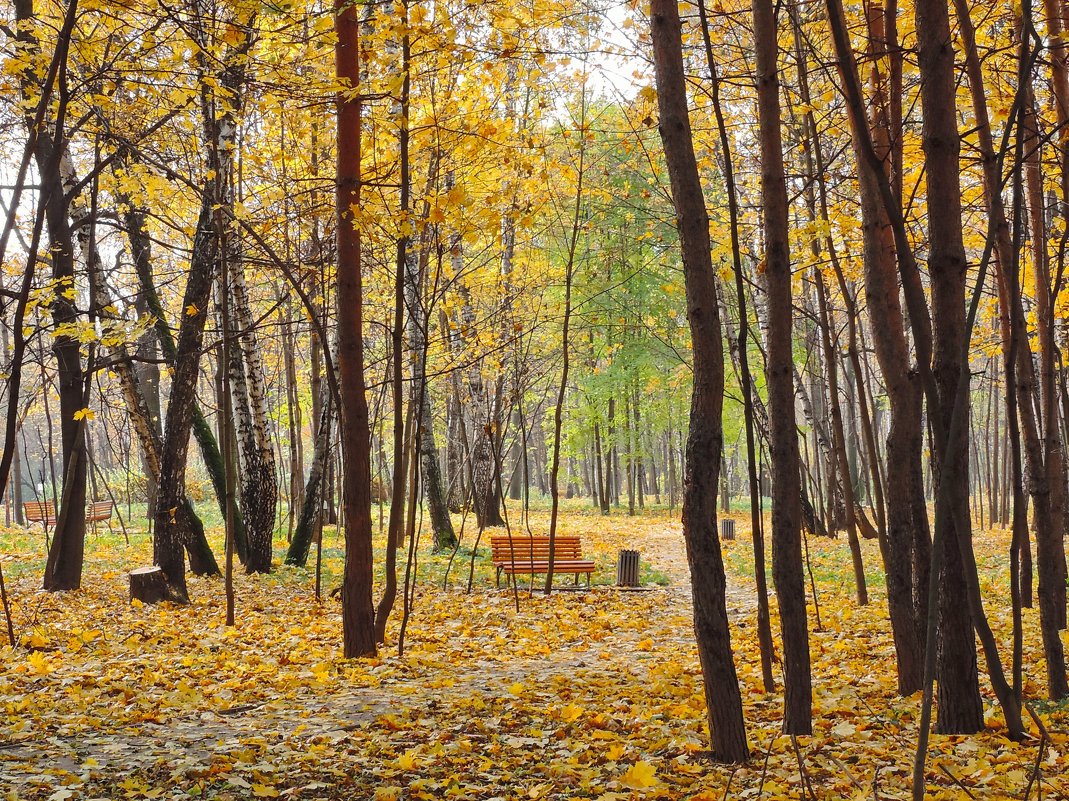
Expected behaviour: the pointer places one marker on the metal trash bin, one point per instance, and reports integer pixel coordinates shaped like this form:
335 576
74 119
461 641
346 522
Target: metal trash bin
627 569
727 529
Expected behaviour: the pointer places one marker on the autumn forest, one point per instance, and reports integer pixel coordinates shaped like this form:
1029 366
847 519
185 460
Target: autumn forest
501 399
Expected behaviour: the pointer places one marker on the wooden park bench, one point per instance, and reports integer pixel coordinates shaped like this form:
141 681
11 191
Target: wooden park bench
526 555
45 512
40 512
98 511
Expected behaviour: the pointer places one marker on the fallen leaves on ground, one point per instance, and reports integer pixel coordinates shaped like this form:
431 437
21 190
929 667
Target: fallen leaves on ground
584 694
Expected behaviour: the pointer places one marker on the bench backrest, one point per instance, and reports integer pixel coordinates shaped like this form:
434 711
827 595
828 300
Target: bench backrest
37 511
534 548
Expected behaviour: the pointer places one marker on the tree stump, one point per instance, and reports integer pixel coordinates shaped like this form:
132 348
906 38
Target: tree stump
148 585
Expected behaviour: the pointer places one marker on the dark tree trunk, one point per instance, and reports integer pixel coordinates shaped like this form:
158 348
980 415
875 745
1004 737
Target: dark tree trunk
309 521
783 436
959 708
358 611
705 440
173 531
907 518
202 561
63 569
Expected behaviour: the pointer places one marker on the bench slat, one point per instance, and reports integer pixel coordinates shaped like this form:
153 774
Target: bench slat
542 567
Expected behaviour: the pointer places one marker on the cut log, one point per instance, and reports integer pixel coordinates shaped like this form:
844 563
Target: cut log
148 585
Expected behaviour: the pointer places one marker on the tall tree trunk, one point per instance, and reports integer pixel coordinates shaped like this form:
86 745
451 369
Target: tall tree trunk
739 348
63 569
1046 480
434 488
705 441
783 439
960 710
358 611
907 517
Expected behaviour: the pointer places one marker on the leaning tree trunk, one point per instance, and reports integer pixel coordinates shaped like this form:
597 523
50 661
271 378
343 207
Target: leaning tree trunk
172 530
200 554
705 440
309 522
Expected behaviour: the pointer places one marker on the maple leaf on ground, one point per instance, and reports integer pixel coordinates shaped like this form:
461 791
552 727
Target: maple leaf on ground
640 776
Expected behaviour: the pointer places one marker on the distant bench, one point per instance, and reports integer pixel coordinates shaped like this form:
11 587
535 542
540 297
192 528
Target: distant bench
526 555
38 512
45 512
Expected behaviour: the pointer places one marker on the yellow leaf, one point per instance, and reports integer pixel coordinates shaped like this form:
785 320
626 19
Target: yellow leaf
516 688
407 760
571 713
264 791
88 414
39 663
640 776
192 310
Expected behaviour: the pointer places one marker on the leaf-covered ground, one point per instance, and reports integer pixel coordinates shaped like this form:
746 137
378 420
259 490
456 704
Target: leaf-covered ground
585 694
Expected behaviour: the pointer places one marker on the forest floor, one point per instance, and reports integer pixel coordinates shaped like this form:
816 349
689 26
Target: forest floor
584 694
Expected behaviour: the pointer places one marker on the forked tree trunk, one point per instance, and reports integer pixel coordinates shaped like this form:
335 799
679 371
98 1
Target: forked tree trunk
705 441
907 519
1045 504
133 218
